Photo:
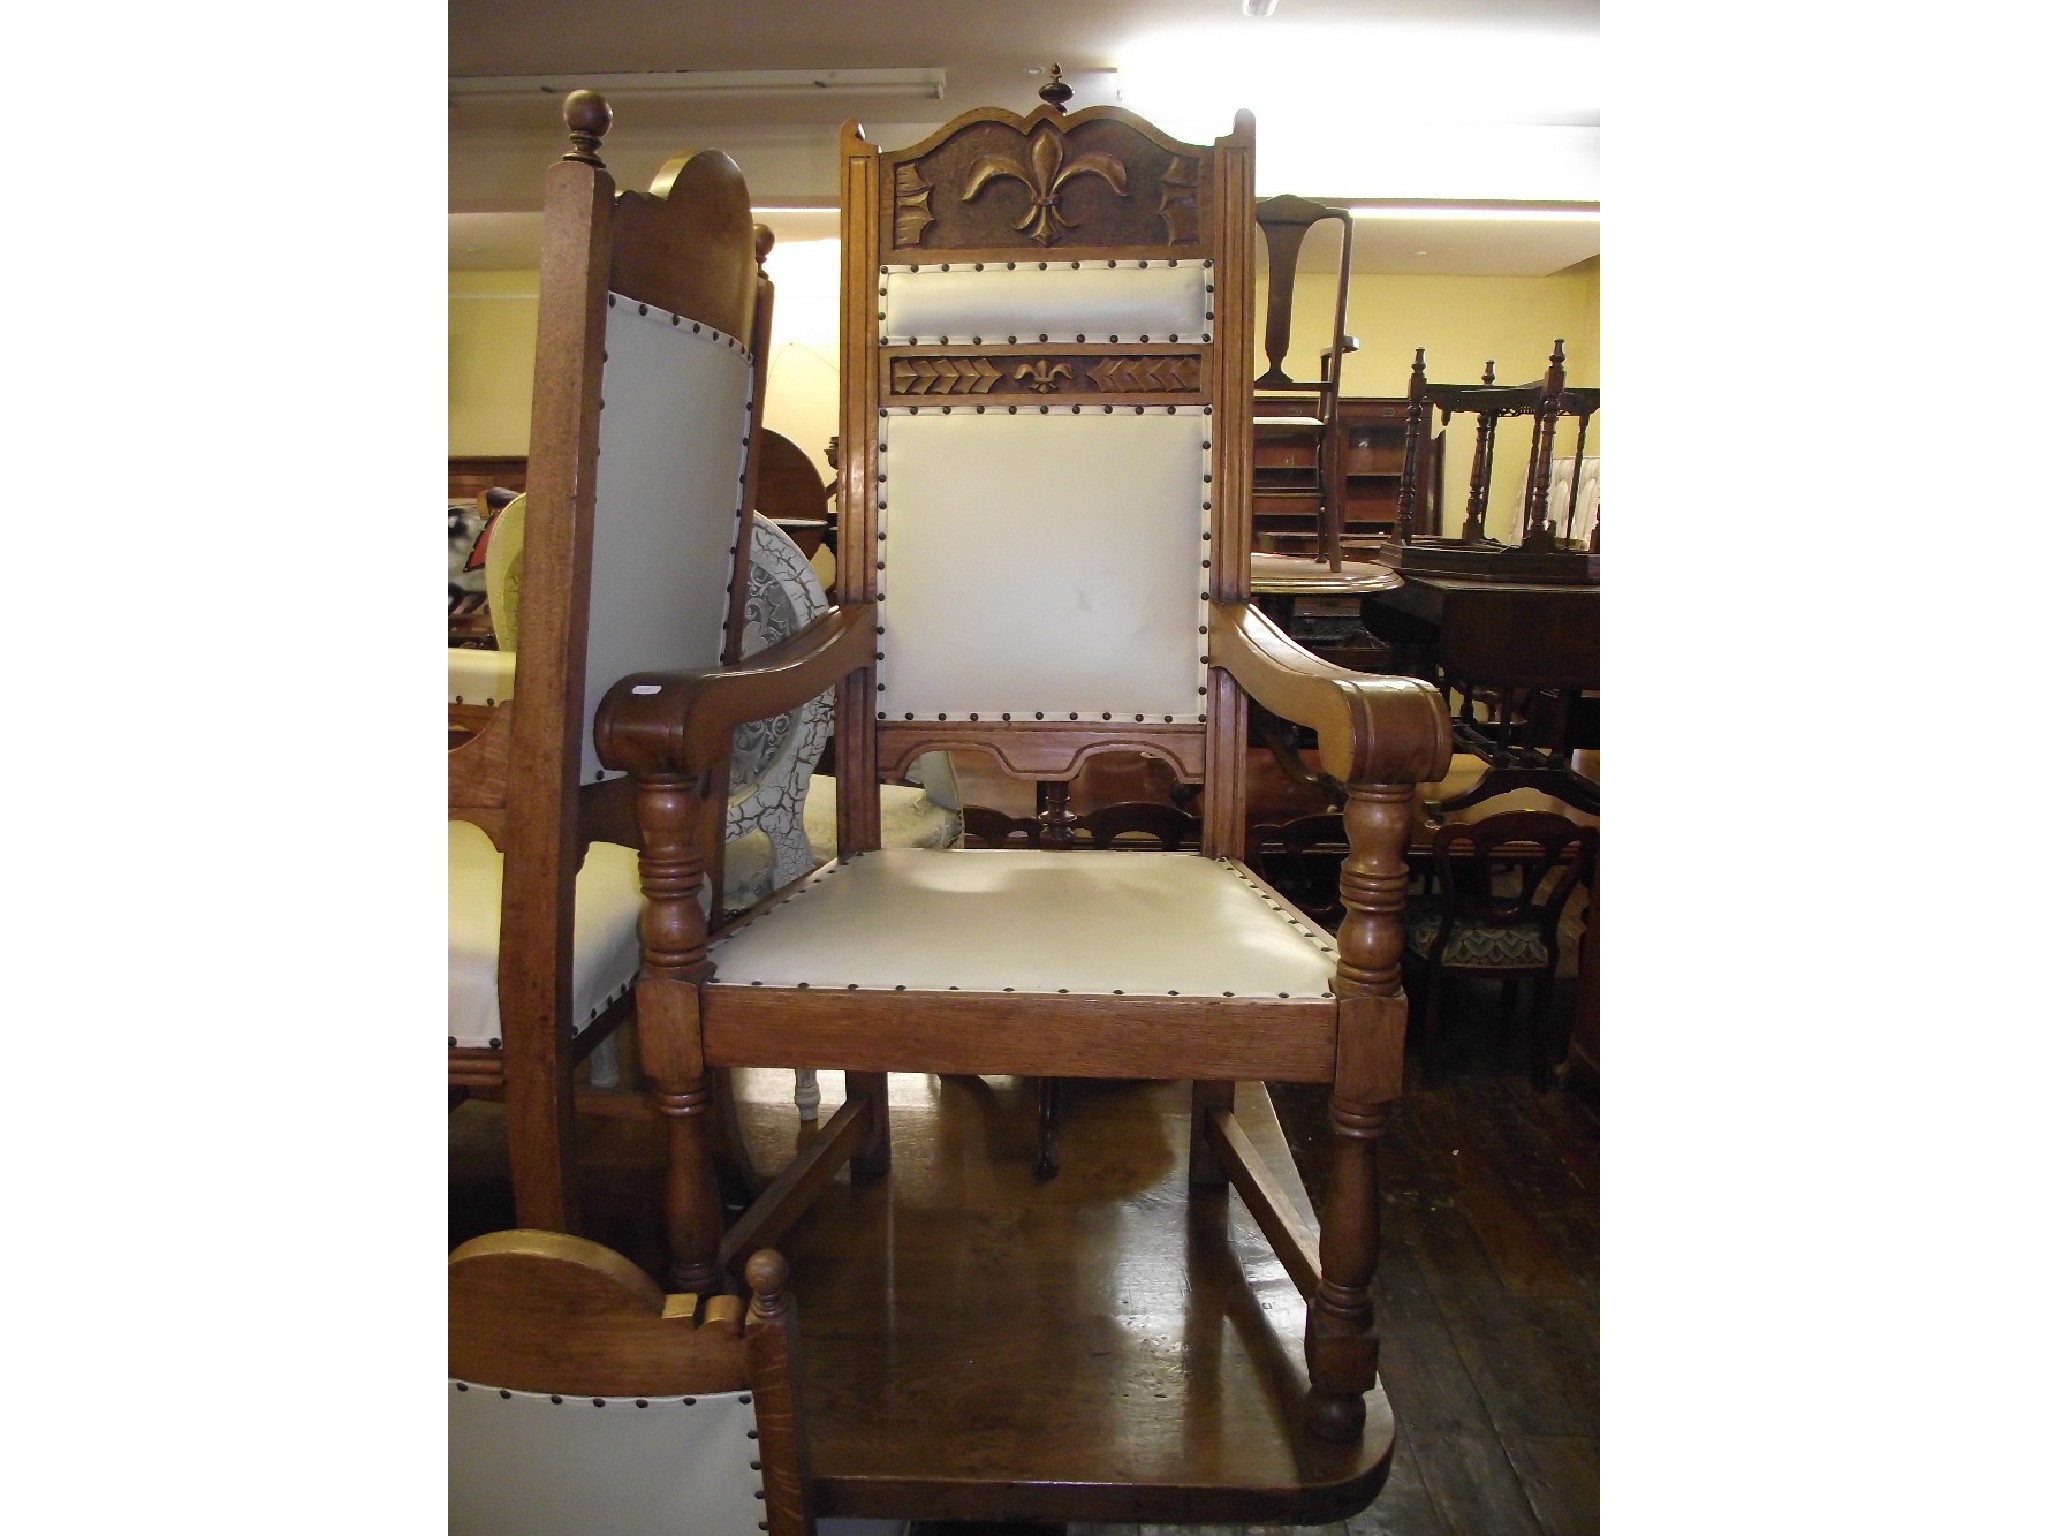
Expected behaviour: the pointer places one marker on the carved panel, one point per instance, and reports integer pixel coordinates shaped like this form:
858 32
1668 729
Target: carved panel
996 375
913 205
1147 375
1049 183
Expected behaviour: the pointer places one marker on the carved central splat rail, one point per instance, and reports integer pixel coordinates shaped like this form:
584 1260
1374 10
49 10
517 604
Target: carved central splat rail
1105 379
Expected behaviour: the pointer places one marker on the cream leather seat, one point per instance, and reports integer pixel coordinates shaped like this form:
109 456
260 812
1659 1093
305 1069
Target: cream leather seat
1102 922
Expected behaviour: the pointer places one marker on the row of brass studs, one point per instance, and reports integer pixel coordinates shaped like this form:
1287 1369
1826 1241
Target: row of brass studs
697 328
1011 266
598 1402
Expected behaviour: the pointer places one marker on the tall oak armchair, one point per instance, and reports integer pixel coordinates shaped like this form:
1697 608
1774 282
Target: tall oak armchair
1045 448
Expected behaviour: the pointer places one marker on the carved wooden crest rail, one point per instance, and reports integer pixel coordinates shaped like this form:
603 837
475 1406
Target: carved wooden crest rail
1045 182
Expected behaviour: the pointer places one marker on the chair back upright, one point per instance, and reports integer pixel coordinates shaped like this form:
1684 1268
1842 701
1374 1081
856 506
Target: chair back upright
652 327
1043 445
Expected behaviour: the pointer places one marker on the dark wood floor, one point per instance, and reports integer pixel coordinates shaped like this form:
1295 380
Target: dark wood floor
1488 1286
1488 1290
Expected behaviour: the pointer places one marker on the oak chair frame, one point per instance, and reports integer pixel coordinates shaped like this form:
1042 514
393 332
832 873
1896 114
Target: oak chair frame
1380 736
689 247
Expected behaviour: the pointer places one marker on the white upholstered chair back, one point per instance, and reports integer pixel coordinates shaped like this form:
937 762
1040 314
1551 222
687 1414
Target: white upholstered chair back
542 1464
672 447
581 1398
1041 345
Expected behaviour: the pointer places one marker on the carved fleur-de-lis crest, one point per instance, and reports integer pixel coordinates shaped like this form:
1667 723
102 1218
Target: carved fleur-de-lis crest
1047 171
1042 378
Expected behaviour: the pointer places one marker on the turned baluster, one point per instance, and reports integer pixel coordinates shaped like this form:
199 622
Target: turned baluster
672 949
1411 452
1343 1347
1537 532
1482 469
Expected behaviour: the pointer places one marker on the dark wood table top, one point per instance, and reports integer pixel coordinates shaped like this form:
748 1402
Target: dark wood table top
1102 1347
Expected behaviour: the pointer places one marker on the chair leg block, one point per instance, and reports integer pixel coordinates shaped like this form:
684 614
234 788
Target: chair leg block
1046 1164
870 1159
1204 1166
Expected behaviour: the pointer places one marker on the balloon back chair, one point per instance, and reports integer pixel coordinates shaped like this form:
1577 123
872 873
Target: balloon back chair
653 316
1502 883
1044 554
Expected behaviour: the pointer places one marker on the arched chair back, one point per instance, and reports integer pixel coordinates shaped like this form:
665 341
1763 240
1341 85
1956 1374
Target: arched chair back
646 399
581 1398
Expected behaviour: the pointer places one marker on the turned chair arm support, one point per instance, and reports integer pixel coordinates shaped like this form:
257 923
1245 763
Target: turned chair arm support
681 722
1370 729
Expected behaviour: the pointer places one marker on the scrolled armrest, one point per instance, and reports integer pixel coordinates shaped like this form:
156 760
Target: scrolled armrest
1370 729
681 722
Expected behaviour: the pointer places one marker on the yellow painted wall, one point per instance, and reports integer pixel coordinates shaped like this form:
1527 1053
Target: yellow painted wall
492 318
1461 321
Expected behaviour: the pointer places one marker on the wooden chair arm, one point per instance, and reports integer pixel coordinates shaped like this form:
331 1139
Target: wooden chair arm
681 722
1370 729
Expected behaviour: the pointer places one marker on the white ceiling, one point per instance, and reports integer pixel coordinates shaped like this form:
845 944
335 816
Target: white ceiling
1493 100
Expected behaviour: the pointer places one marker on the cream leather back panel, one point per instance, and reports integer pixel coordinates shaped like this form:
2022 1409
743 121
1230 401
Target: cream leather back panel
524 1464
671 452
1159 301
984 919
1043 566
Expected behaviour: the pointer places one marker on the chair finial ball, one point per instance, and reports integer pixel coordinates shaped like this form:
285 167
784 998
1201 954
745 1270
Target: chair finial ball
587 112
767 1273
589 116
764 241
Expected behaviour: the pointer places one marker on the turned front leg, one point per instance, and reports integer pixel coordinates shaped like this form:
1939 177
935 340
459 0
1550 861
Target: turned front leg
1372 1020
668 1004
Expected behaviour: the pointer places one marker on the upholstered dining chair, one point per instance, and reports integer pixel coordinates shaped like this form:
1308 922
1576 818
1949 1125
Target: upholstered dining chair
653 315
1501 886
1046 348
581 1398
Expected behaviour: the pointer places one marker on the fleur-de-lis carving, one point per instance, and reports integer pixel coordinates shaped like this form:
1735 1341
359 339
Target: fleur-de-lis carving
1040 377
1047 171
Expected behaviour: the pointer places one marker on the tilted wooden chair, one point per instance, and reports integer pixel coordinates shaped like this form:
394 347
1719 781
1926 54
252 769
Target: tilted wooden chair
1046 347
1502 883
580 1398
1296 419
649 306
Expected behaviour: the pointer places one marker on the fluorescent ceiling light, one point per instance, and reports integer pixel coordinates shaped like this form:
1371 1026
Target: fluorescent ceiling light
929 84
1546 213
